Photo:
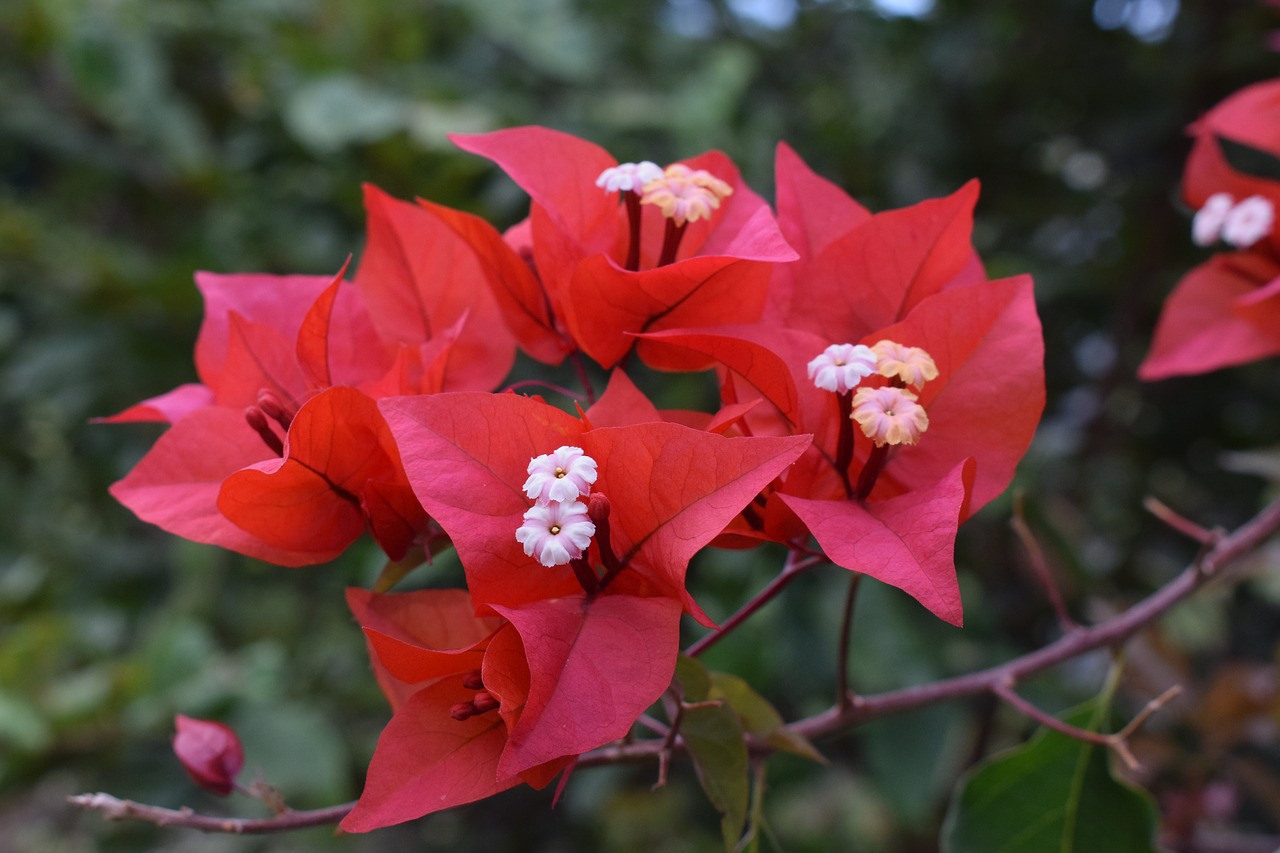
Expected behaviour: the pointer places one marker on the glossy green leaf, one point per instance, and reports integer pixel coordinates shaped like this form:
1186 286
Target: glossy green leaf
714 738
1054 793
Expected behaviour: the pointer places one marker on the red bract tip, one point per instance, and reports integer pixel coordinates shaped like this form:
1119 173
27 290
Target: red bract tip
210 752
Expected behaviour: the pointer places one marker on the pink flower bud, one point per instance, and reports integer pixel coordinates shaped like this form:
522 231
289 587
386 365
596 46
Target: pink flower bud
210 752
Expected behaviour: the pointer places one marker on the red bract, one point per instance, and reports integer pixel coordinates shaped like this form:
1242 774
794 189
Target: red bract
210 752
484 705
672 488
596 290
908 276
1225 311
280 452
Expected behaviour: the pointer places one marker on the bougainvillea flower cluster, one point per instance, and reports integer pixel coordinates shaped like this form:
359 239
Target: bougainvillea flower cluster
1226 311
876 389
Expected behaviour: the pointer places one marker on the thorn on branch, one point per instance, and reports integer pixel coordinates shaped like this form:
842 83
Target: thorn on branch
1040 566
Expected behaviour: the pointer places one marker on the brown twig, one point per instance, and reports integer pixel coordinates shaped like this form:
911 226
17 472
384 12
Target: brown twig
1181 523
791 569
1111 632
1039 565
845 715
113 808
843 698
1113 741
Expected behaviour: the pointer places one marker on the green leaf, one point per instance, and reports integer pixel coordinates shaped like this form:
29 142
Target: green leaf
714 738
1054 793
758 717
694 679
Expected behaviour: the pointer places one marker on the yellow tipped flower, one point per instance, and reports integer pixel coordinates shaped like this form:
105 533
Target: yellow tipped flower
912 365
889 415
684 194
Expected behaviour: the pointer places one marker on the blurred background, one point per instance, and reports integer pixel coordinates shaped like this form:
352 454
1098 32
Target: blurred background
141 140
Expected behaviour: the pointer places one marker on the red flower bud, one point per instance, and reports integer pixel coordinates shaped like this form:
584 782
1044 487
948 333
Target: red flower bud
484 702
210 752
598 507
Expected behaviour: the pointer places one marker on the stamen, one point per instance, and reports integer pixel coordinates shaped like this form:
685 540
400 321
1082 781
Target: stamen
909 365
840 367
889 415
473 680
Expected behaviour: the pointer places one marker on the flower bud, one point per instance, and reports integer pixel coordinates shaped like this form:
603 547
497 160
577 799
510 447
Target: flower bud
210 752
598 508
484 701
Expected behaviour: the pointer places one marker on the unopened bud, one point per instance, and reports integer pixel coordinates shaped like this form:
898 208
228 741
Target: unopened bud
598 508
210 752
484 701
274 409
258 422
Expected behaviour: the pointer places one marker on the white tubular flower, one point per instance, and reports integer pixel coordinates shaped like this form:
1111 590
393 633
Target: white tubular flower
556 533
842 366
889 415
1248 222
1207 223
565 475
628 177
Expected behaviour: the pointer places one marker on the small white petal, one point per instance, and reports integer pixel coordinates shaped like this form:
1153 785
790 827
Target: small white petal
563 475
628 177
556 533
1207 223
841 367
1248 222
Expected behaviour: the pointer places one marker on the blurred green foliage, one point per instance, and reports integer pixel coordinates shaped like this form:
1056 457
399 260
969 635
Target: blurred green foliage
143 139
